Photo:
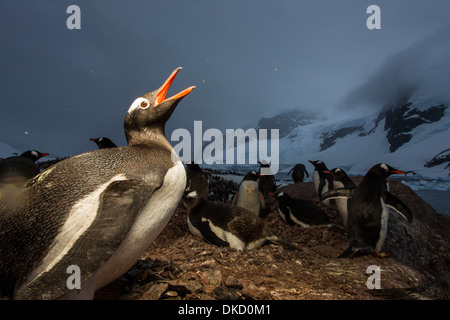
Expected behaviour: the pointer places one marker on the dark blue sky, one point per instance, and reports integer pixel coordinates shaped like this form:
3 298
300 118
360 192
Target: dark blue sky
60 87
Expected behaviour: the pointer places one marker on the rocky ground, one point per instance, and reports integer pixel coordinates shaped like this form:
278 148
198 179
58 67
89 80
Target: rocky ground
179 265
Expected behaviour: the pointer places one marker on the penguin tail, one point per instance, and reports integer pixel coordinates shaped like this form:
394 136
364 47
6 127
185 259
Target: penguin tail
285 244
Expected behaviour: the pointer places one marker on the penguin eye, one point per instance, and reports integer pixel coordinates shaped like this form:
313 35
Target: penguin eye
144 104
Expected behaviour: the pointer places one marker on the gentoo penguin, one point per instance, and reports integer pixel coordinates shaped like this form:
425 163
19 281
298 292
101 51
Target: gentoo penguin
103 142
88 219
438 289
18 169
342 180
368 210
249 195
298 173
267 182
225 224
302 212
323 180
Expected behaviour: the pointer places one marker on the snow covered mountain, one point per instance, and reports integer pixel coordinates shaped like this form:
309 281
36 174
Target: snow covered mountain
413 135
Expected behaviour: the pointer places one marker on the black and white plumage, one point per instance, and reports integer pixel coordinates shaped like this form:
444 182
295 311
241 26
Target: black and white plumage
298 173
342 180
368 210
267 181
98 211
249 195
225 224
301 212
438 289
323 180
103 142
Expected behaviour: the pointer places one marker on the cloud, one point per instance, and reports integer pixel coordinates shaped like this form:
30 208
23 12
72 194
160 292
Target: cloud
421 69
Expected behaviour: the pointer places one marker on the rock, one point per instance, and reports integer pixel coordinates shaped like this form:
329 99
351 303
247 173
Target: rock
155 291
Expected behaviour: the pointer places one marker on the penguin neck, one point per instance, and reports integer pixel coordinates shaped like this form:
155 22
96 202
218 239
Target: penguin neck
148 136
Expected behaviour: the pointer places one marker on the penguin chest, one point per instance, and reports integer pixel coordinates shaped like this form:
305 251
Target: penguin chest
151 220
249 196
316 180
383 225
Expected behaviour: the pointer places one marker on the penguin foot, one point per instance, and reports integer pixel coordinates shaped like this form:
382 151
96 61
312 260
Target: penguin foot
379 254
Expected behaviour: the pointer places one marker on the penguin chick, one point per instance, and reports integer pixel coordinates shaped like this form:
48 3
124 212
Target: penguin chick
438 289
298 173
103 142
96 212
225 224
368 210
249 195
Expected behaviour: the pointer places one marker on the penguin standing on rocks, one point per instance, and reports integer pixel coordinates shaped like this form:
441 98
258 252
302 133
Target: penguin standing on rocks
19 169
368 210
225 224
342 180
302 212
103 142
249 195
323 180
267 182
298 173
89 218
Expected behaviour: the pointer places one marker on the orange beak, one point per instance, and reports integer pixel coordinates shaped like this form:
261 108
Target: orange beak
161 96
398 171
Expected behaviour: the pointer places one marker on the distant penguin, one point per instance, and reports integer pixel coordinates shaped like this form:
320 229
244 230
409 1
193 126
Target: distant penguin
225 224
302 212
323 180
298 173
103 142
368 210
342 180
90 217
438 289
249 195
18 169
267 182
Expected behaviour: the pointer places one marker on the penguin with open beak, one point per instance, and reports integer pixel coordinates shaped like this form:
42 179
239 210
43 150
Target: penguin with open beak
94 214
368 210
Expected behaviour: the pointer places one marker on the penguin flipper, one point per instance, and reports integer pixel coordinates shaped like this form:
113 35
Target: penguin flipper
115 215
398 206
340 193
284 243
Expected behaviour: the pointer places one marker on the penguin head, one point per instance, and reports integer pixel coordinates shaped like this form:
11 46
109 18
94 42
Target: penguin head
252 175
338 174
319 165
149 113
103 142
34 155
280 196
383 170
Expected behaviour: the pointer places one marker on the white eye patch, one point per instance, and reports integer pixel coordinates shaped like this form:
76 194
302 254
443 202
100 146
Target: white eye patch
384 167
141 103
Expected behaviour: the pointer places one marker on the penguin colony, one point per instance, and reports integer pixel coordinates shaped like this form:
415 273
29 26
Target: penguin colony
102 209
